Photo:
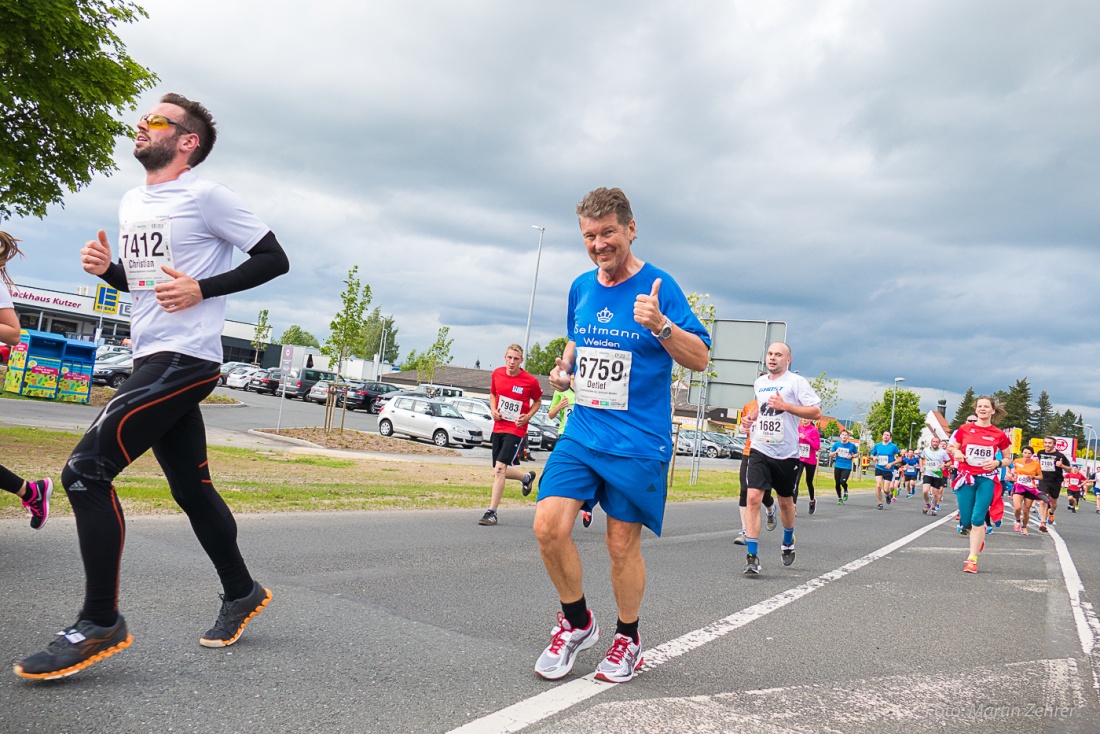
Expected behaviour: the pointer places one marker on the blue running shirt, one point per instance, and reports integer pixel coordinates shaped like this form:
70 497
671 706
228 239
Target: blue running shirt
845 452
621 363
884 454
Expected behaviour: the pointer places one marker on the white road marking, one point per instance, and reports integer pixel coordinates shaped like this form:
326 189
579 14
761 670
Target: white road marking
1084 614
532 710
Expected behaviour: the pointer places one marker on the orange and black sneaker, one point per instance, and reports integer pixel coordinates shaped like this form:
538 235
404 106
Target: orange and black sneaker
76 648
234 616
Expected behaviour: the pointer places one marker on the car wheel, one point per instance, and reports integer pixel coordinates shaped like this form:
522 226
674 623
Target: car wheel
712 453
117 380
374 409
385 428
440 438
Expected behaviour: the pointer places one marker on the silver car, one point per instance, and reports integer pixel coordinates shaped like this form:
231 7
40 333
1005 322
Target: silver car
685 444
477 412
418 417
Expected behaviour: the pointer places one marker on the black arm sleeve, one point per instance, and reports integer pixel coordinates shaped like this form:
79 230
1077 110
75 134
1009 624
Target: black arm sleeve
266 260
116 277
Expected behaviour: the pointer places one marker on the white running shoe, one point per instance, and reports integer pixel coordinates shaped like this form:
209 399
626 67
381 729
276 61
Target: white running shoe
565 642
623 659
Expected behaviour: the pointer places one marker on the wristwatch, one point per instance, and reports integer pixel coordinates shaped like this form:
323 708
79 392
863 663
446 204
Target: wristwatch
665 332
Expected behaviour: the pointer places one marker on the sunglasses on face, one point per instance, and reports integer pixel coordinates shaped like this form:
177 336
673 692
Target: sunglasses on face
159 122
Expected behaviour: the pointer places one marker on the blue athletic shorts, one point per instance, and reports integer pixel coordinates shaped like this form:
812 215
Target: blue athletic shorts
628 489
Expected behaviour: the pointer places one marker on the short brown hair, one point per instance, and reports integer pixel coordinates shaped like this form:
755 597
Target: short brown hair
198 120
600 202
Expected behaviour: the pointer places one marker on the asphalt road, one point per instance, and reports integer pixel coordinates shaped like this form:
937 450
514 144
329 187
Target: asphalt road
424 621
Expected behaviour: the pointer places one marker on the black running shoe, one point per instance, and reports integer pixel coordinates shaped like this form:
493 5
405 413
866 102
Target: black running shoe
528 478
813 506
235 616
752 565
489 518
75 649
586 518
788 554
770 520
39 503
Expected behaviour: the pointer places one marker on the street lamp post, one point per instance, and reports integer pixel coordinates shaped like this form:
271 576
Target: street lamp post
911 434
894 405
1088 442
534 285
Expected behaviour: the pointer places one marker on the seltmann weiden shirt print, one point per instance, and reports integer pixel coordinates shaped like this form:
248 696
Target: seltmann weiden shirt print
623 372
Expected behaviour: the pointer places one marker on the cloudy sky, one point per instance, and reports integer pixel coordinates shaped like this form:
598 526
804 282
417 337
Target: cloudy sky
912 186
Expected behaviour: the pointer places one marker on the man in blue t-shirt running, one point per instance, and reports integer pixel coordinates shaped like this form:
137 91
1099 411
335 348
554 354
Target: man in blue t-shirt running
885 456
627 323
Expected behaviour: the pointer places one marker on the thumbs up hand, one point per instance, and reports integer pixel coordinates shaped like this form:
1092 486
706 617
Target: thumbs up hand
95 256
647 308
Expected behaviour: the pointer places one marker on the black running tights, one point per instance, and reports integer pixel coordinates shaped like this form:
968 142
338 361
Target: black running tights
157 408
809 470
9 482
840 479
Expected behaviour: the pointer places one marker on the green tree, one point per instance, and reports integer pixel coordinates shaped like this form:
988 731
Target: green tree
828 390
540 361
681 376
299 337
262 337
1041 417
966 407
832 428
65 80
427 362
346 328
1016 403
375 326
410 361
908 411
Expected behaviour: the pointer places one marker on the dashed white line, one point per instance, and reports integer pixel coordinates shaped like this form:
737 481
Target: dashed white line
532 710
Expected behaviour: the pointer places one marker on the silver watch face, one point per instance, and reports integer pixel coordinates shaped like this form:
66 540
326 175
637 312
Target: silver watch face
666 331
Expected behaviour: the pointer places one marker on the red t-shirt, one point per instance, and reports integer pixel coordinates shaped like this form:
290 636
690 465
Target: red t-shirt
1075 481
515 395
980 444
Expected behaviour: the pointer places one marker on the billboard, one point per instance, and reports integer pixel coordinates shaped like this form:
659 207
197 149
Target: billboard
737 349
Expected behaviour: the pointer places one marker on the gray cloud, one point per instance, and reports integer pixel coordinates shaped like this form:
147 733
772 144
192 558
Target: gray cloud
910 185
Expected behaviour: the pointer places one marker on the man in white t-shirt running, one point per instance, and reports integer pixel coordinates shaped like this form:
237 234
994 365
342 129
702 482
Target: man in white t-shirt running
783 397
175 248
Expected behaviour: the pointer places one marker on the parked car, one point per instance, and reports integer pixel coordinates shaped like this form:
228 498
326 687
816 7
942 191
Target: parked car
318 393
731 443
229 367
107 349
265 381
365 395
477 412
420 392
113 372
302 380
548 430
239 378
419 417
685 444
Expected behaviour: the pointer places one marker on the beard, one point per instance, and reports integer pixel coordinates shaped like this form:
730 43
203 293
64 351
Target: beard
155 156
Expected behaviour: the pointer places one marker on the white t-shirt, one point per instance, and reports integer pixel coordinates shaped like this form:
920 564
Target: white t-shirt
776 434
206 220
5 297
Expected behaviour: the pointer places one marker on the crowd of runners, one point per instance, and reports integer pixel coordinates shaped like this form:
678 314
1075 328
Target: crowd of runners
628 323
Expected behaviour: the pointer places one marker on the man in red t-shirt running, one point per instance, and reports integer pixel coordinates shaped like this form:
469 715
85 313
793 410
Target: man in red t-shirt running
514 398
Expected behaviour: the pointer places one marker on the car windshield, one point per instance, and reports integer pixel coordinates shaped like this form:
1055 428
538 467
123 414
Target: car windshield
446 411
